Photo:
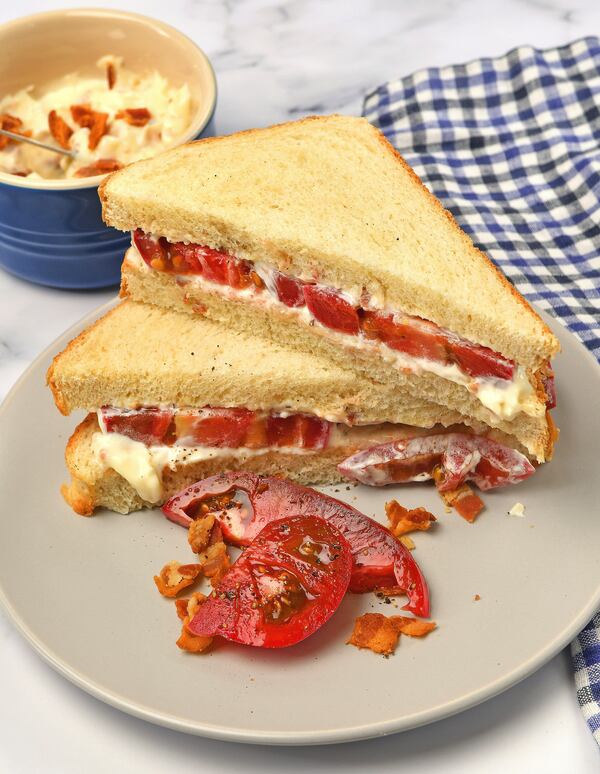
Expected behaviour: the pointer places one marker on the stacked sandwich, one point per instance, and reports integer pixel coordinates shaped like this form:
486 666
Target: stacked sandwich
297 303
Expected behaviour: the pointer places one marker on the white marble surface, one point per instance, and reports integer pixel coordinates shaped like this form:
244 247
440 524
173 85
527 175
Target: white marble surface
278 59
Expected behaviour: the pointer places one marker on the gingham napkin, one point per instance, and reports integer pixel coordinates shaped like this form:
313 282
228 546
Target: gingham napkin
512 147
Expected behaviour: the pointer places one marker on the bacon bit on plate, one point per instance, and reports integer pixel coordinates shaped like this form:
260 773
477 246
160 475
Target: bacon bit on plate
199 533
14 125
59 129
186 610
99 167
465 502
213 557
381 633
175 576
402 520
188 606
413 627
407 542
135 116
111 75
216 562
476 598
192 643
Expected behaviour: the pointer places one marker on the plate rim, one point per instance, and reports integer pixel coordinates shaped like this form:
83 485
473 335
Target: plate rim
296 738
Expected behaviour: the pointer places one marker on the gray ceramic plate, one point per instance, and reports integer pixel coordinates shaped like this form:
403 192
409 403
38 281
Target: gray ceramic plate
81 592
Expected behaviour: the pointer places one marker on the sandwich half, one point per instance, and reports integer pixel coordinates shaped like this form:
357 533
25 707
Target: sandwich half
171 399
318 232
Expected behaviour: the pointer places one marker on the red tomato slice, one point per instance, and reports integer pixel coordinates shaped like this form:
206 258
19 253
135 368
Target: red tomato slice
480 361
290 291
147 425
149 248
285 585
297 430
218 427
380 560
462 457
330 309
418 338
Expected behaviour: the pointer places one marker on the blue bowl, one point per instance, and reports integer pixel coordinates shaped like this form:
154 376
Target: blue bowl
57 237
51 231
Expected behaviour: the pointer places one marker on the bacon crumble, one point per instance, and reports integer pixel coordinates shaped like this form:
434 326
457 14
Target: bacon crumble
59 129
135 116
175 576
381 634
403 520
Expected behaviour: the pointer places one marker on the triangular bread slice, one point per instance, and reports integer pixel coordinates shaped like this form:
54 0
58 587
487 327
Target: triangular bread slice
329 198
138 355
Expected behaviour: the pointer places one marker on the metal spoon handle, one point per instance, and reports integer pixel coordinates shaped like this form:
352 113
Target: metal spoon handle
37 143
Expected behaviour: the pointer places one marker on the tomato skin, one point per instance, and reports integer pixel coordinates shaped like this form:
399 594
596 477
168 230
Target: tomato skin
225 428
290 291
330 309
380 560
300 430
417 338
147 425
249 604
461 457
480 361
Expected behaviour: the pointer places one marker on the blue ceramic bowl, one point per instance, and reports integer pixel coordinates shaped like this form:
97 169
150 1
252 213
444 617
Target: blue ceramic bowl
51 231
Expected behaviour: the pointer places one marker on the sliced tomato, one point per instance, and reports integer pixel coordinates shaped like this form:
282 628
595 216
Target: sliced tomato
244 503
290 291
285 585
153 251
478 361
462 457
147 425
300 430
417 338
330 309
213 427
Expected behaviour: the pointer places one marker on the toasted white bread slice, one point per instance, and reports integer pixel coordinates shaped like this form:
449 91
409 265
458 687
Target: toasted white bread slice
141 354
329 198
94 484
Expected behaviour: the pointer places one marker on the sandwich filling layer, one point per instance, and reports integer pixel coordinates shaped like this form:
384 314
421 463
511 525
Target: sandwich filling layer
409 343
140 443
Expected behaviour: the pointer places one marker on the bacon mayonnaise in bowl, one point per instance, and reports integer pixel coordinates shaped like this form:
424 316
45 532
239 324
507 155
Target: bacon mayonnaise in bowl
112 87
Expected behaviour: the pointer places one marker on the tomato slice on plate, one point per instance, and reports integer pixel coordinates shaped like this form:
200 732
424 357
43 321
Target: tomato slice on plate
283 587
244 503
147 425
330 309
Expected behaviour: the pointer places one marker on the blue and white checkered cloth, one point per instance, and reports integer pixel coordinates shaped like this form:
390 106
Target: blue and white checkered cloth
512 147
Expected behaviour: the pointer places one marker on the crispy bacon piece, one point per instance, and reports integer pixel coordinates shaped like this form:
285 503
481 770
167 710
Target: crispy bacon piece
408 542
59 129
199 533
175 576
192 643
188 606
413 627
96 122
375 632
97 130
403 521
463 499
186 610
111 75
381 633
135 116
14 125
99 167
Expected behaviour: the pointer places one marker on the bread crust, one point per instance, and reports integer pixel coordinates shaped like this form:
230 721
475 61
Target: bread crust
531 351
